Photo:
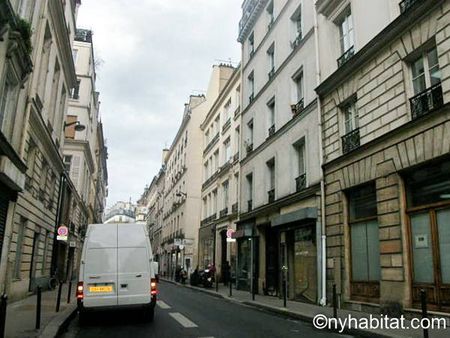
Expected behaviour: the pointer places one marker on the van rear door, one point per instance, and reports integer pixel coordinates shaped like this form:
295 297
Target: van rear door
100 266
133 265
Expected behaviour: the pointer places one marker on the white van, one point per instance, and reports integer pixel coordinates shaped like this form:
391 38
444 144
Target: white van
117 270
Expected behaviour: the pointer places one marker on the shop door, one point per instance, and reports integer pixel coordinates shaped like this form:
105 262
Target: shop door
271 262
305 264
4 203
430 246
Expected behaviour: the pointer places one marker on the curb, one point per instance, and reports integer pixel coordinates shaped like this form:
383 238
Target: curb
59 323
283 312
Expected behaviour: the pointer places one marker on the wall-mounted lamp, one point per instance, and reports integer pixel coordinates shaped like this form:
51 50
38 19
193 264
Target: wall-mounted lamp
78 125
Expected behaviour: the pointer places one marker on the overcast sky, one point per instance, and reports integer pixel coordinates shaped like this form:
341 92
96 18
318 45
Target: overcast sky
154 54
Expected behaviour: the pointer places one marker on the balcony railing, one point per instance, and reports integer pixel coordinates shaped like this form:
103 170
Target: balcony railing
271 195
297 40
249 148
346 56
350 141
251 98
407 4
236 157
300 182
298 107
223 212
271 73
211 143
237 111
272 130
234 208
226 125
426 101
249 205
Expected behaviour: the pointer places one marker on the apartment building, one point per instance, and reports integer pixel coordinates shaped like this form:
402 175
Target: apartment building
182 187
386 126
46 30
121 212
220 187
279 223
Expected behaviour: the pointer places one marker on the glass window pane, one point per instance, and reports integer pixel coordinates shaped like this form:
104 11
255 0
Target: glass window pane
373 249
362 202
360 270
443 222
422 248
432 58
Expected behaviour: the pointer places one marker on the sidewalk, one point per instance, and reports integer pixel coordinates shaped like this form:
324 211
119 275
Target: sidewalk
21 315
306 312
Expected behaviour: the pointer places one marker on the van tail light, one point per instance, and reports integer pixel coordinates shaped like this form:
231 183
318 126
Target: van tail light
153 290
80 290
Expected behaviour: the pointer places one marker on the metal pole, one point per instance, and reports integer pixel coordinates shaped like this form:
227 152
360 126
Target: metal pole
58 300
285 288
217 282
3 305
38 308
334 301
251 269
69 291
423 300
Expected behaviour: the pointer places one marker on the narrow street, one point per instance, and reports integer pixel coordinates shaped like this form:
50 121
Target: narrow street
182 312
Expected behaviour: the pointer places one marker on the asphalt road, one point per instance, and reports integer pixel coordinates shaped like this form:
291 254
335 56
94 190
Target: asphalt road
182 312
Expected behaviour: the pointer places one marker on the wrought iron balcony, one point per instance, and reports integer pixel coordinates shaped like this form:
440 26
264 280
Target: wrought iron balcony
350 141
405 5
236 157
300 182
298 107
252 52
211 143
297 41
346 56
426 101
83 35
251 98
271 73
226 125
271 195
269 26
223 212
249 205
272 130
234 208
249 148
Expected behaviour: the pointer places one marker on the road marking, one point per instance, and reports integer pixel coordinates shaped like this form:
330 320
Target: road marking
182 320
162 305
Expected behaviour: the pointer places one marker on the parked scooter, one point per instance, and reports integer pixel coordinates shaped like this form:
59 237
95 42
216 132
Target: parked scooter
207 276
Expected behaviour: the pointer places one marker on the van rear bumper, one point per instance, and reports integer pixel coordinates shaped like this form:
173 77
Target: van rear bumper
82 308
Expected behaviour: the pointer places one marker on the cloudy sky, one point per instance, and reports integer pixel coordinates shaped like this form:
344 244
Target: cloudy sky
154 54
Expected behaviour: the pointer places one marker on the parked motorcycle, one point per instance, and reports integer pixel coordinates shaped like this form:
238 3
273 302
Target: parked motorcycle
207 278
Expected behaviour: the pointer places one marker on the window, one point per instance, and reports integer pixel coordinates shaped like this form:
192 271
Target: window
75 94
216 160
298 81
44 255
236 140
351 118
297 29
346 32
226 111
226 197
271 116
271 60
250 136
19 247
270 15
249 178
238 97
214 203
365 244
74 56
425 71
300 165
251 44
8 104
251 87
271 173
227 152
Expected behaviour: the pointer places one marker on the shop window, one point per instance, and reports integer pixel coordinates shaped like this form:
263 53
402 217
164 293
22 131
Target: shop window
365 245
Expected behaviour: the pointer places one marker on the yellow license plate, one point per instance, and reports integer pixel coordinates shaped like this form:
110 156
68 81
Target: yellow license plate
101 288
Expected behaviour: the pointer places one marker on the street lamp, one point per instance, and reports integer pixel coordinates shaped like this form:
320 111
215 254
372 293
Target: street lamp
78 125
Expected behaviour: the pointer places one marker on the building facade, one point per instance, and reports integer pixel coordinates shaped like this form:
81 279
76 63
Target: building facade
220 187
386 126
121 212
182 188
279 233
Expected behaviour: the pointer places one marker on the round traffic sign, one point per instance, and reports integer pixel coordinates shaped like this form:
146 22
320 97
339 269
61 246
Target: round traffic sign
63 230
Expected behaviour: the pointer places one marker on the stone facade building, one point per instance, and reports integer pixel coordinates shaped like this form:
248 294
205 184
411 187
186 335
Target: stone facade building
386 139
220 187
279 222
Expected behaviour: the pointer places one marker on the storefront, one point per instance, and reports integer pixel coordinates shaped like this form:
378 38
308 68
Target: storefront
428 209
298 237
247 257
206 246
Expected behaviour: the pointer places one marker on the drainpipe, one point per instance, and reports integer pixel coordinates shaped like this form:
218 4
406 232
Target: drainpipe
323 299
